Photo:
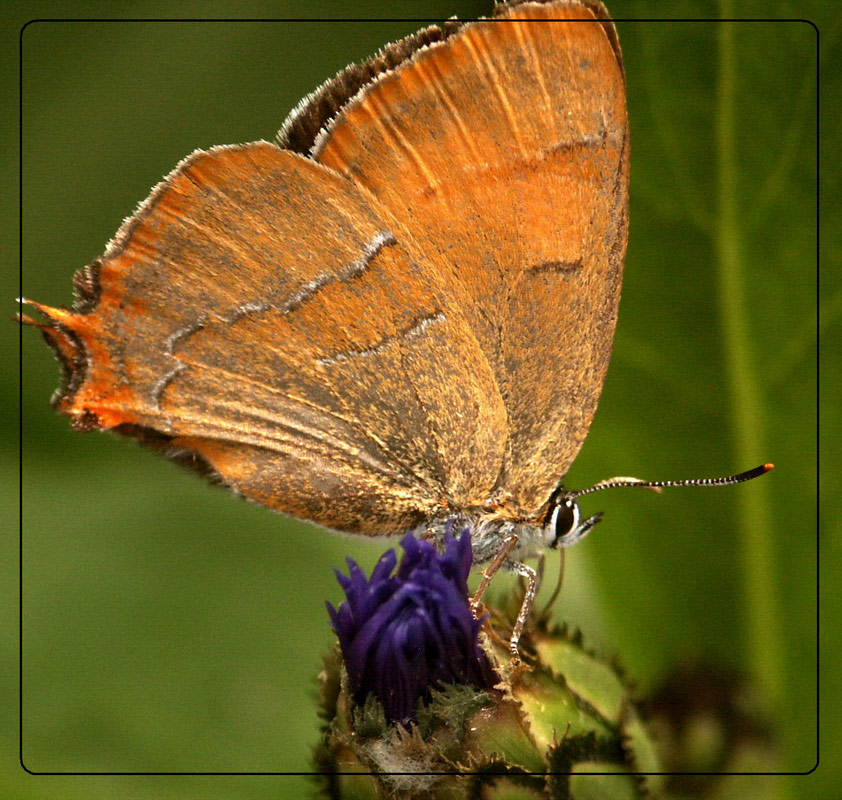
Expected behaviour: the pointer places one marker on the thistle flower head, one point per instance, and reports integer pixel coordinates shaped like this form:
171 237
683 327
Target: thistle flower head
404 634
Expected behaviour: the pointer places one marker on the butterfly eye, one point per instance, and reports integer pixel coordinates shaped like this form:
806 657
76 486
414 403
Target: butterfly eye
563 521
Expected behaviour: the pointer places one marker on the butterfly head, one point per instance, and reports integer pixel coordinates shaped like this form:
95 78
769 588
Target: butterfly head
563 524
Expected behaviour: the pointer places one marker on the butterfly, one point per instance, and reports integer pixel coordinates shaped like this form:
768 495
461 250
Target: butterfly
398 315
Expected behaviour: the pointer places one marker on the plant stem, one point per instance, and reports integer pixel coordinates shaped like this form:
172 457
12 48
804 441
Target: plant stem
763 635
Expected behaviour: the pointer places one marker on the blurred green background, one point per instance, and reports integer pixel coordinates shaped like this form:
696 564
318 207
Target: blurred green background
170 627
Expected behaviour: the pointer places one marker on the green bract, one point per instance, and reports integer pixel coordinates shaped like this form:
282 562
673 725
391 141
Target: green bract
562 724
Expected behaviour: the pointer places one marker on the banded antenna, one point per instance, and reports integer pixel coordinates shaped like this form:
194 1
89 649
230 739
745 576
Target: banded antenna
612 483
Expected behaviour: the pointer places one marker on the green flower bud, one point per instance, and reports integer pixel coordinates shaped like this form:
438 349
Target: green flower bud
561 724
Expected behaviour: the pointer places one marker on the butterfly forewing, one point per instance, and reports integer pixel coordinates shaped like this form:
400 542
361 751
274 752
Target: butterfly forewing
502 154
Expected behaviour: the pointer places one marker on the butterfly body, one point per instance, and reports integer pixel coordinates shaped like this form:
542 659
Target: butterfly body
487 530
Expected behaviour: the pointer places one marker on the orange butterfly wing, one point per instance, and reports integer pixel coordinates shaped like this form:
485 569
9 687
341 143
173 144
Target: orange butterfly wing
416 323
503 153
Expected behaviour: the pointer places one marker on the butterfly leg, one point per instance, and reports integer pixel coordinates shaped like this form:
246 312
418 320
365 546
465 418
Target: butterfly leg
491 571
528 598
539 569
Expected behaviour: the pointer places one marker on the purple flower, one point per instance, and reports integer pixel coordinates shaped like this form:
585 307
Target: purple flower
403 634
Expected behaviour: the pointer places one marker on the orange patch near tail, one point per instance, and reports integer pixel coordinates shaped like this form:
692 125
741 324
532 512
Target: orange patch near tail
94 399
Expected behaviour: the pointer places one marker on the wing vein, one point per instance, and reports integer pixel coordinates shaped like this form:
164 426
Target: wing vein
381 117
484 60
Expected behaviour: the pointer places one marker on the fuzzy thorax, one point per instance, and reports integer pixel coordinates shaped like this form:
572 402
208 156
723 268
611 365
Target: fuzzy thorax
489 534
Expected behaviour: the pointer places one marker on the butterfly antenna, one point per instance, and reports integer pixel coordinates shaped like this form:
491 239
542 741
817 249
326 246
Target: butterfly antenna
612 483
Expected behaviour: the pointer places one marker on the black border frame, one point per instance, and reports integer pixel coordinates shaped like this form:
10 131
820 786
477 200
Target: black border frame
420 21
